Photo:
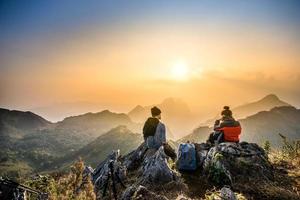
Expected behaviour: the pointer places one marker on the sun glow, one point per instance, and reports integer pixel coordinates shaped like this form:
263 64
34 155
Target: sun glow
180 71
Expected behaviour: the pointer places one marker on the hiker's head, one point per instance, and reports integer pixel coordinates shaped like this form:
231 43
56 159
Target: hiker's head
226 112
155 112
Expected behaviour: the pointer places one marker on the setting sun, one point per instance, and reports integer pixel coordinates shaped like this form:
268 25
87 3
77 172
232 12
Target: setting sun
180 71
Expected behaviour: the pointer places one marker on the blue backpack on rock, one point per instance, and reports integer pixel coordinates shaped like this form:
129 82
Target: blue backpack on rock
186 157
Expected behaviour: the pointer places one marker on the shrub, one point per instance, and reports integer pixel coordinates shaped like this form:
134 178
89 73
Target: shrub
68 186
290 149
267 147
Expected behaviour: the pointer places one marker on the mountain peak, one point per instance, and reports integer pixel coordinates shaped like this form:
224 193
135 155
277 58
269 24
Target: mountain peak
270 97
265 104
138 108
104 112
172 100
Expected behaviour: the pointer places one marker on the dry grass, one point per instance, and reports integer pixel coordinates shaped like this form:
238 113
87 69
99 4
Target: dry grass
285 183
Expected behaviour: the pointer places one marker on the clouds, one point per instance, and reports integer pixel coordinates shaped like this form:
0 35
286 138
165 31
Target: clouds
122 53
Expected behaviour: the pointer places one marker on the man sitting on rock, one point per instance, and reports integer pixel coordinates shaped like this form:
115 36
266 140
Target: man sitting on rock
227 129
154 130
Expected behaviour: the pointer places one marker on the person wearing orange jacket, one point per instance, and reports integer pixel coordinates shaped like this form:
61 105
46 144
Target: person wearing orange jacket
227 129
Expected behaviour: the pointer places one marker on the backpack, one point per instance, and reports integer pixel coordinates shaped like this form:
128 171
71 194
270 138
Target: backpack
150 126
187 157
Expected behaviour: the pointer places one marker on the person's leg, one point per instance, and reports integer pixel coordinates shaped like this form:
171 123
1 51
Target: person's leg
210 138
220 138
216 135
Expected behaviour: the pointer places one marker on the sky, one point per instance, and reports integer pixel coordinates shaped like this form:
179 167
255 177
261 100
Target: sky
117 54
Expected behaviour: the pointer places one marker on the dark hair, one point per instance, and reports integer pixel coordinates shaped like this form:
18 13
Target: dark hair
155 111
226 112
226 108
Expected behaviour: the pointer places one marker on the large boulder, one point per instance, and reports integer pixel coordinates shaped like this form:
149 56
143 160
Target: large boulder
151 165
227 162
134 159
108 175
156 169
201 152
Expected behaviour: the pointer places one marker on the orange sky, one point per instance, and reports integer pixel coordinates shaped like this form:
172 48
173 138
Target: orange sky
124 65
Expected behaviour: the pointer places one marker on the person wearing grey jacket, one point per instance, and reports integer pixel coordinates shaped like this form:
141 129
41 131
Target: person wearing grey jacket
154 131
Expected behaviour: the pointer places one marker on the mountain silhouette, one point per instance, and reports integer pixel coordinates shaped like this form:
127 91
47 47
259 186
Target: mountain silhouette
175 113
268 102
266 125
260 127
36 143
95 124
29 142
265 104
119 137
14 127
16 124
198 134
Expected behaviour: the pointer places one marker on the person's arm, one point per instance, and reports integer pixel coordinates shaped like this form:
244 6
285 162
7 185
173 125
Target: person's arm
161 133
217 125
144 131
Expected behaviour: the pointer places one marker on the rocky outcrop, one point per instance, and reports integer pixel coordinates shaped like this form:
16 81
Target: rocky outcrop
201 153
150 166
156 170
228 161
108 175
149 170
134 159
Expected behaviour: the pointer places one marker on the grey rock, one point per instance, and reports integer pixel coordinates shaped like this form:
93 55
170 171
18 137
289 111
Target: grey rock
228 160
110 170
201 153
134 159
128 193
88 171
155 169
227 194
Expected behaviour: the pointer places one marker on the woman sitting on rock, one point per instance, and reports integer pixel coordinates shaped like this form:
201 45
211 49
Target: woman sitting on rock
227 129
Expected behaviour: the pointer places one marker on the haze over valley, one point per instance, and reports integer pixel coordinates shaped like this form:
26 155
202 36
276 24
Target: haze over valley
33 143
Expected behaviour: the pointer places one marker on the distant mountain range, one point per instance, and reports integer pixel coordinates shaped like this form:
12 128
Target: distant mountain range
175 113
199 134
95 124
265 104
263 126
30 143
117 138
33 143
16 124
266 125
